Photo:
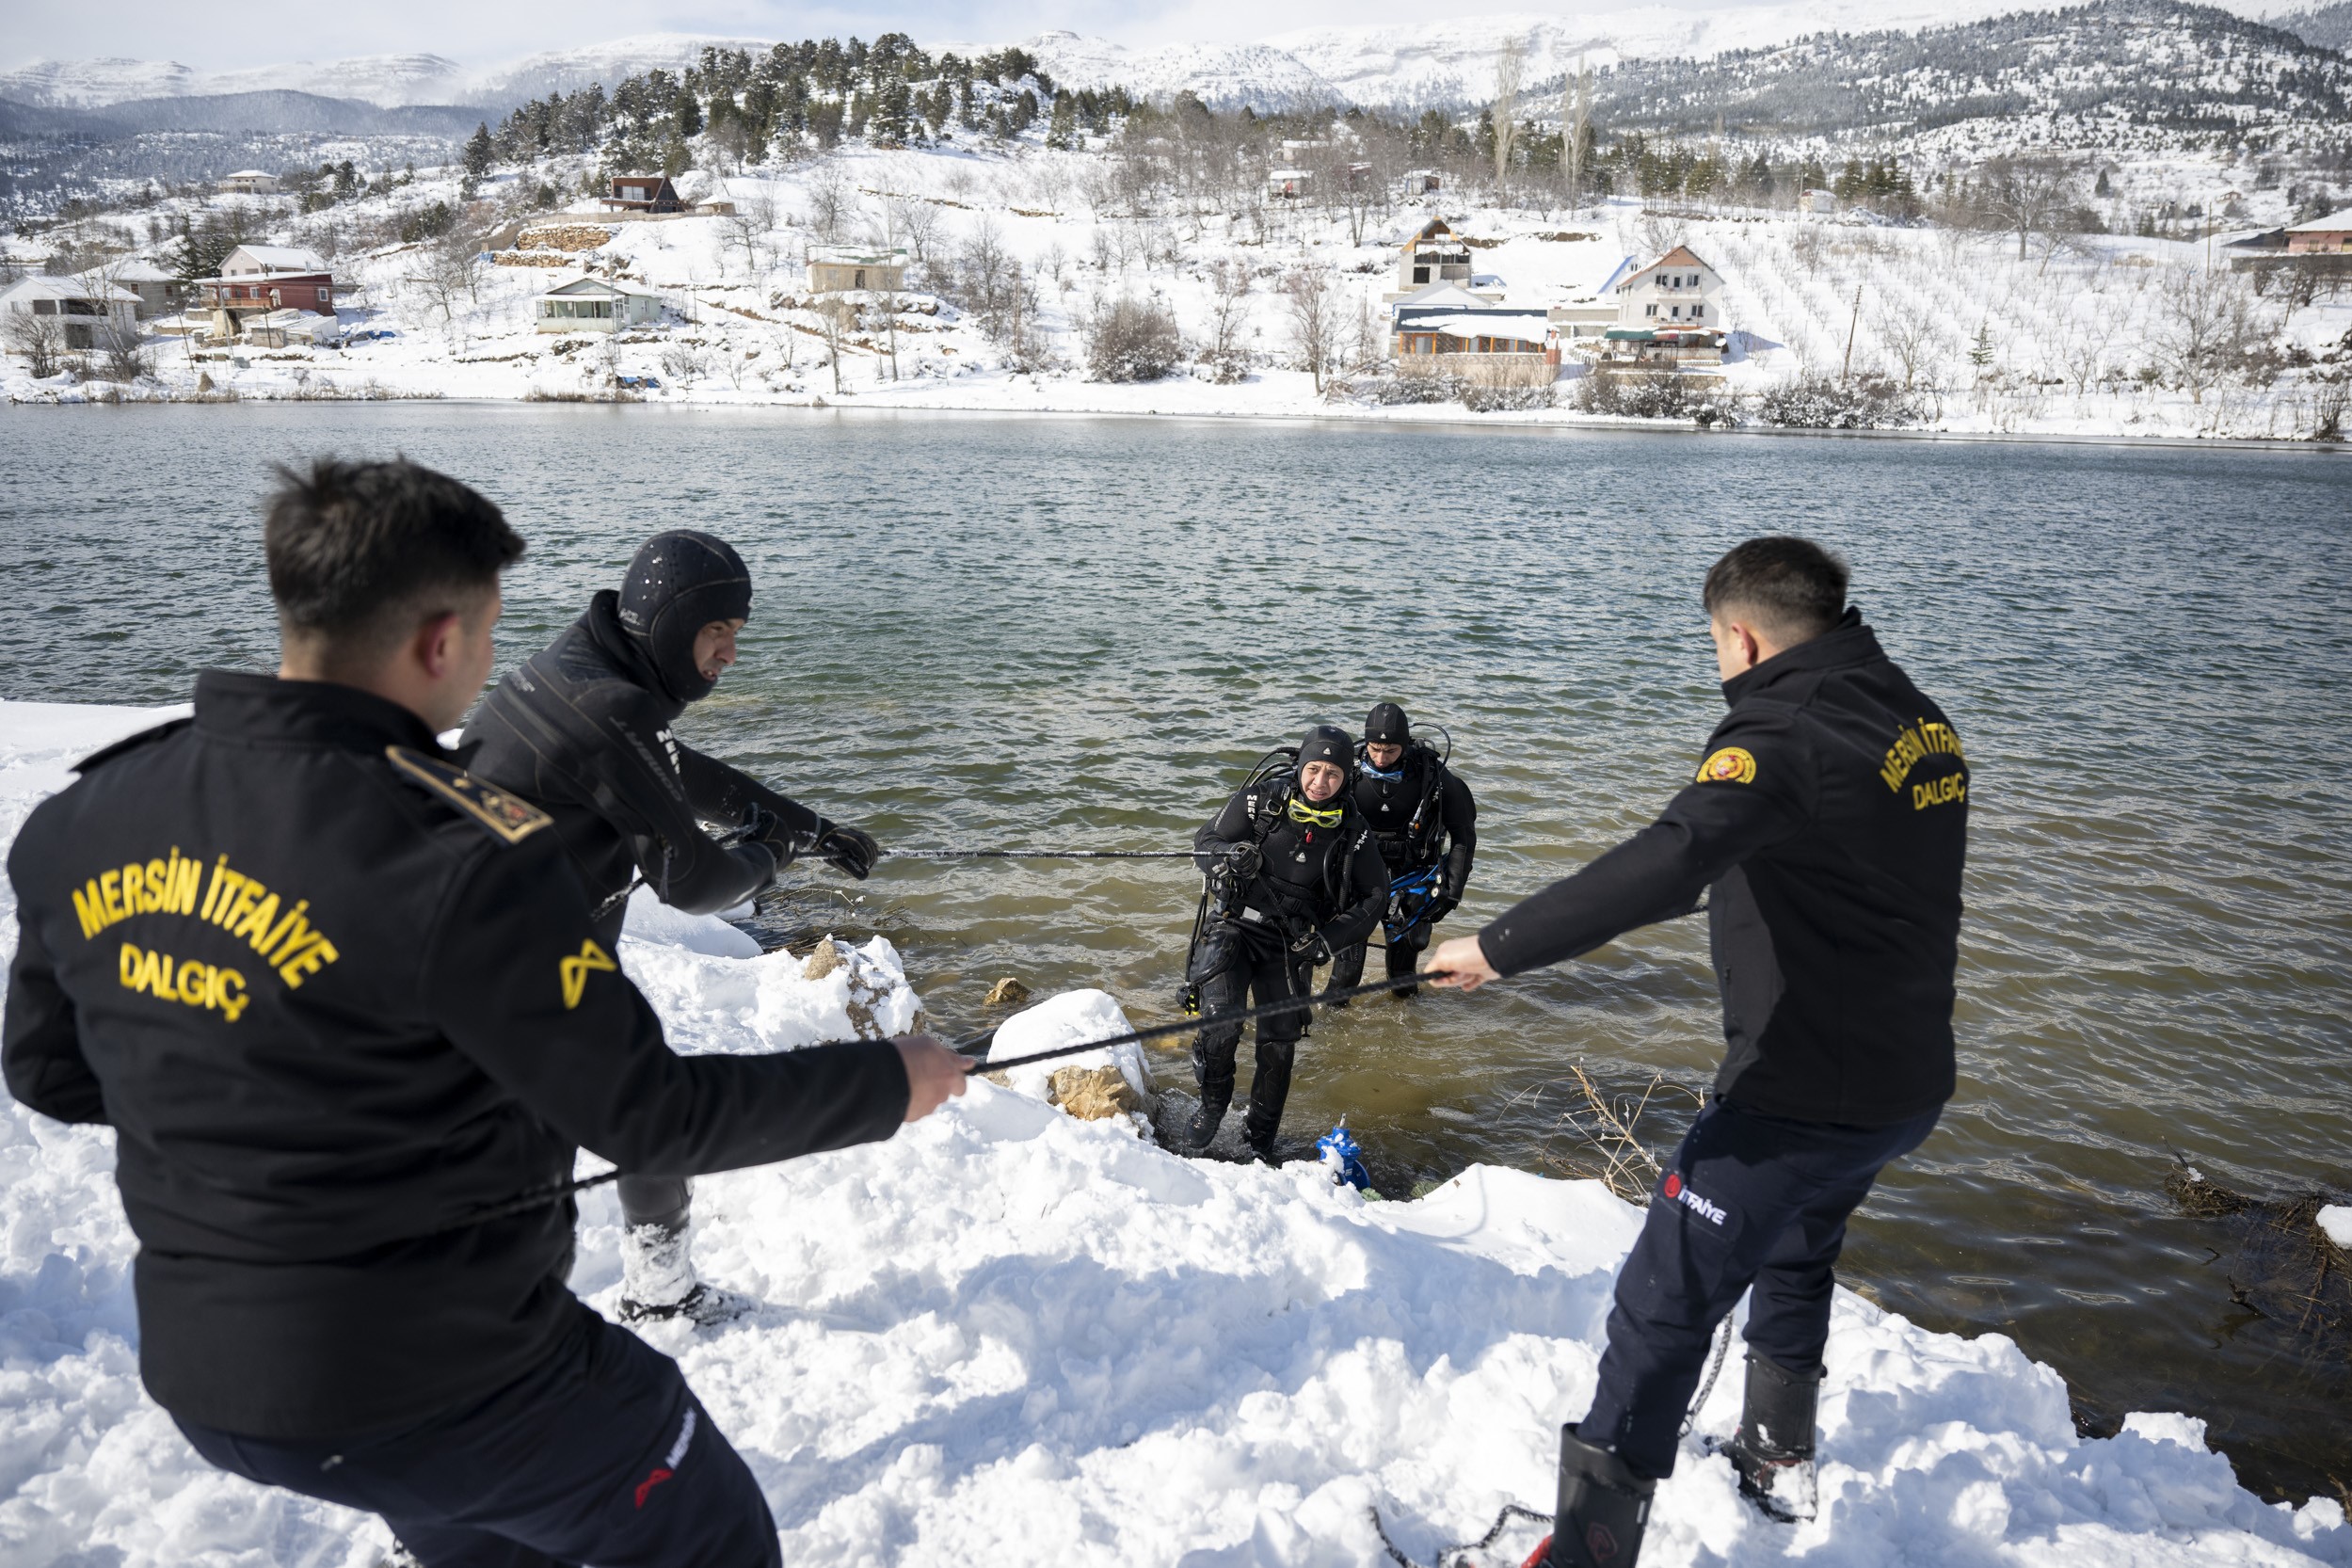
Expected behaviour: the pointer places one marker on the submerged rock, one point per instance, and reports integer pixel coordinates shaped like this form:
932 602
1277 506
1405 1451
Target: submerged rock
1007 992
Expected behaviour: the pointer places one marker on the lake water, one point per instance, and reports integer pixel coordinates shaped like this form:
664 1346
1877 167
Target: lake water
1076 633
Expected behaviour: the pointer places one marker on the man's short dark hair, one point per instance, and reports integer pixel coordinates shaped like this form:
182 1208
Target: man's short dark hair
361 553
1792 588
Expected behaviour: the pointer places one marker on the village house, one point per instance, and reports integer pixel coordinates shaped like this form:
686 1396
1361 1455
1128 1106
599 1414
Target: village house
846 269
1421 182
250 182
643 193
2330 235
1446 331
597 305
158 290
87 310
1286 185
1668 314
1814 200
1435 254
1678 290
292 328
258 278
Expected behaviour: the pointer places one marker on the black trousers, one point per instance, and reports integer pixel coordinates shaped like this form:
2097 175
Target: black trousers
1749 1200
1404 948
600 1455
1242 963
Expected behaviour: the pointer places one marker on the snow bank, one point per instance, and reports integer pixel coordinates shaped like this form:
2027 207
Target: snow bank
1007 1336
1068 1020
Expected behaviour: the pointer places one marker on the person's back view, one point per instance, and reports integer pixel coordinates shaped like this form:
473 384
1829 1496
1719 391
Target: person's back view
341 1006
582 729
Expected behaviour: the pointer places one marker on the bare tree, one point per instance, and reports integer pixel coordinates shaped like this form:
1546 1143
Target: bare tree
2024 196
1229 316
40 338
2084 353
1505 113
1311 296
917 224
2207 325
1916 340
1576 124
831 203
748 228
836 319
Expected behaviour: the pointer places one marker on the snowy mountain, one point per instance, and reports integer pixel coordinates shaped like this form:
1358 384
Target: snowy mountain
1221 75
2329 26
566 69
2085 74
385 80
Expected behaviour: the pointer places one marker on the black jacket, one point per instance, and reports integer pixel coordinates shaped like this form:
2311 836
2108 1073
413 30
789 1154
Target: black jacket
582 729
335 997
1830 817
1327 880
1423 817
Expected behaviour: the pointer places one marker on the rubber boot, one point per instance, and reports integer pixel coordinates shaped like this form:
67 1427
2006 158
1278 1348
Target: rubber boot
657 1280
1201 1130
1773 1450
1603 1509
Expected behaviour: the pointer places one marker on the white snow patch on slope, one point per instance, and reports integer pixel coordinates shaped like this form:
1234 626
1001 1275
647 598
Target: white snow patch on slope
1006 1335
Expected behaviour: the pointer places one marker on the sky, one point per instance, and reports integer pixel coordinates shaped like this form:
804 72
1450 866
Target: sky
482 35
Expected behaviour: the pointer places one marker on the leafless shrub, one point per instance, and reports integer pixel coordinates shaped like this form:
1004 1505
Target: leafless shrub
40 338
1609 1146
1133 340
1225 352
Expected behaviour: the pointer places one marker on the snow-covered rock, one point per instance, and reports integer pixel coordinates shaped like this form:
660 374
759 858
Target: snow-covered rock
1006 1335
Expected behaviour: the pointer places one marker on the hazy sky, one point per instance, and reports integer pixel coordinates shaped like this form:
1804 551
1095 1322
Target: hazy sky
479 34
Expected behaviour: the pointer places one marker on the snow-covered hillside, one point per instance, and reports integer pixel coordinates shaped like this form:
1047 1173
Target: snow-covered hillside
1009 1337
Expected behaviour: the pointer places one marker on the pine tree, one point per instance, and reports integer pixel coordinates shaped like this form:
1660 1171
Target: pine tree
1980 349
1062 132
479 153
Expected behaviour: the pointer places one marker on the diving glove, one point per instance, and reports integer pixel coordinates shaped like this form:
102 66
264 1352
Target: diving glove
854 851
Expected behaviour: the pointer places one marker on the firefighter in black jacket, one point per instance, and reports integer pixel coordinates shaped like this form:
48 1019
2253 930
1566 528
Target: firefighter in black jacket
1426 826
582 730
1828 823
1292 878
342 1004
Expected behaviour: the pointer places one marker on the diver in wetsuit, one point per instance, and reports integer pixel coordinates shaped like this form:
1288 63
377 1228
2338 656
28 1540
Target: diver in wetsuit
1293 877
582 729
1426 826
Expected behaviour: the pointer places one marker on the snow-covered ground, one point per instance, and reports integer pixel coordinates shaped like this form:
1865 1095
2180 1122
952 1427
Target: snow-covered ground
1009 1337
2084 340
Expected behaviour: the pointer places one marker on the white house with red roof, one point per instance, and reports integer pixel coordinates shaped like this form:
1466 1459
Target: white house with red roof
1675 293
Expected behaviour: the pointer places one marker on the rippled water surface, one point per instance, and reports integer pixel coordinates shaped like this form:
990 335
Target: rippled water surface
1077 634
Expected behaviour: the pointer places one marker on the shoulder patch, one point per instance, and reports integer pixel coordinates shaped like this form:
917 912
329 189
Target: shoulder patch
132 742
509 819
1730 765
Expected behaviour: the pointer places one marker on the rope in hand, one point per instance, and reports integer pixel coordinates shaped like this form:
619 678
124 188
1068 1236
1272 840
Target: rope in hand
539 1197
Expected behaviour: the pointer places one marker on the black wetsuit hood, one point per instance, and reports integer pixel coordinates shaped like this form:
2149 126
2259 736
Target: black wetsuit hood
679 582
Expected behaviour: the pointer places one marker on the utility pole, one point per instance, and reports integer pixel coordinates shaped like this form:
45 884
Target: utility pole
1572 127
1852 322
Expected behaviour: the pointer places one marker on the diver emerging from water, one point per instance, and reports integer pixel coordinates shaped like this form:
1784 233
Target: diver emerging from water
1426 827
1293 879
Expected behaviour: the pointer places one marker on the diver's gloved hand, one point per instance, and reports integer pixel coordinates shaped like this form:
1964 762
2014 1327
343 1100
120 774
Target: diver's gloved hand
763 827
1441 907
1244 862
852 850
1311 947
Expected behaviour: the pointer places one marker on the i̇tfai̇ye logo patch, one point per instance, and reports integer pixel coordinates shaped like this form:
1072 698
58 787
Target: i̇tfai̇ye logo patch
576 970
1731 765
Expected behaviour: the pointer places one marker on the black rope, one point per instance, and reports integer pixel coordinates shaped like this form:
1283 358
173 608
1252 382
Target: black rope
1509 1512
1190 1026
1037 854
